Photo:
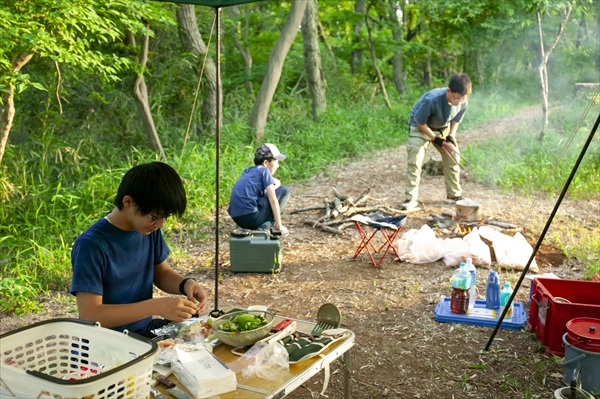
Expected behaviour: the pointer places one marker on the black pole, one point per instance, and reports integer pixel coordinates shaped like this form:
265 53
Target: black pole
218 144
548 223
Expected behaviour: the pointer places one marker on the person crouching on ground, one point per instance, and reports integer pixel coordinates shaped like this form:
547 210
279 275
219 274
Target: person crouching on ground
117 260
435 118
257 198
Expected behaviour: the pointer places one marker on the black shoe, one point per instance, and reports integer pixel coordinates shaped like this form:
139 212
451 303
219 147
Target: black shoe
408 205
277 233
452 200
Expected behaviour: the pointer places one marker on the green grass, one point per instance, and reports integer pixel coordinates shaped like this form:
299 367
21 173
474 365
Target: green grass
55 186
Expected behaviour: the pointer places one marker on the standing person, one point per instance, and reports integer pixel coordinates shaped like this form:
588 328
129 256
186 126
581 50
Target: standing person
435 118
257 198
118 259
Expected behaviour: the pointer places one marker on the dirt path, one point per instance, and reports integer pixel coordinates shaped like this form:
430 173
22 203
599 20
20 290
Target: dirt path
401 351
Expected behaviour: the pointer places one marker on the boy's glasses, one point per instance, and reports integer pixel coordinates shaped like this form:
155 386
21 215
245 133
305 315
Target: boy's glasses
155 218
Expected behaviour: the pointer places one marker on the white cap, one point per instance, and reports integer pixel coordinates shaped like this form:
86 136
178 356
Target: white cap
269 151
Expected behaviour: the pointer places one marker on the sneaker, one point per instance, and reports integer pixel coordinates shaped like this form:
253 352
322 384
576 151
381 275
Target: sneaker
408 205
277 233
266 226
452 200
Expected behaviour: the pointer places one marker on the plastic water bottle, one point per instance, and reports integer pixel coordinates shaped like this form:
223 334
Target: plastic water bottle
461 280
492 291
504 297
470 267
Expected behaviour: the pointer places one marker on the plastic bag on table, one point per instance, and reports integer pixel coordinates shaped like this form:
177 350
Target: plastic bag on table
191 330
511 252
270 363
423 246
266 360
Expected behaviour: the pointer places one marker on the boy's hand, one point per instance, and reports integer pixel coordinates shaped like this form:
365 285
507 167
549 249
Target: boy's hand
196 293
176 308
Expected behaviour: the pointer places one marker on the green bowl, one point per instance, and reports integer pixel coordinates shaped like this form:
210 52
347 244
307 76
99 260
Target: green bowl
242 338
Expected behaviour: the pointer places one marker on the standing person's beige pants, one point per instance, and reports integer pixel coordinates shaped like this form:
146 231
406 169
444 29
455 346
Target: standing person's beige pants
416 147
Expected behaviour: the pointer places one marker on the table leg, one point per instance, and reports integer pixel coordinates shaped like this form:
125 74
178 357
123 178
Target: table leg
347 380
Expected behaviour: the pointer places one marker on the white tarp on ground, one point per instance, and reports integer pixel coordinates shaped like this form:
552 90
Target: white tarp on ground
422 246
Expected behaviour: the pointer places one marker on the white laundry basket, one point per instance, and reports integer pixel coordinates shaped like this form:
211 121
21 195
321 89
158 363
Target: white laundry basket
71 358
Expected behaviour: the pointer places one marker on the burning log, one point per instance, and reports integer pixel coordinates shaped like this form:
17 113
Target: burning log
447 220
508 226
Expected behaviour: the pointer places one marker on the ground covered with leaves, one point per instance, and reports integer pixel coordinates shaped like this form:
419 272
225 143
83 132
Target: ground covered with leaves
400 350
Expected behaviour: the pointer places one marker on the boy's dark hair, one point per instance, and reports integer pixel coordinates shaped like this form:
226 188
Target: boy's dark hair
460 84
260 160
154 187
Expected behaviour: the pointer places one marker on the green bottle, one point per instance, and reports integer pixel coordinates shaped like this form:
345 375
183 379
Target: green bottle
505 294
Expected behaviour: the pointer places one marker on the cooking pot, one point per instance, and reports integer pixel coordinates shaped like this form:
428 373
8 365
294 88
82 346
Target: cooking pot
584 333
468 211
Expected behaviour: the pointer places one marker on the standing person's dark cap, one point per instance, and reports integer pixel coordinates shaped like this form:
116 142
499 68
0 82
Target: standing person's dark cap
267 151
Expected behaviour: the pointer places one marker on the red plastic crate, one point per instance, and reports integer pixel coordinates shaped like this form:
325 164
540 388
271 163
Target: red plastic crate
548 317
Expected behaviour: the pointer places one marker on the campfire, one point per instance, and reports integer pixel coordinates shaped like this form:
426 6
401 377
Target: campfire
450 224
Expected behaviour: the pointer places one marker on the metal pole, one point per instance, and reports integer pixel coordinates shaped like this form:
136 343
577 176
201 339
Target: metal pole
541 239
218 145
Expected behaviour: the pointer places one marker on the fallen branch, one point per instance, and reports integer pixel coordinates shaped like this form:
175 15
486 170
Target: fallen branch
344 226
316 224
307 209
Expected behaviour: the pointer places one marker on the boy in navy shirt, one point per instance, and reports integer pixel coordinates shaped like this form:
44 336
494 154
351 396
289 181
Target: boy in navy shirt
257 197
117 260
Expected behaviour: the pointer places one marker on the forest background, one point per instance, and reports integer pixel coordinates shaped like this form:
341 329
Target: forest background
91 88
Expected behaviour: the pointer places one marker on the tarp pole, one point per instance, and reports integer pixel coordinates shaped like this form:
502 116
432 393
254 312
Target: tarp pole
541 239
217 150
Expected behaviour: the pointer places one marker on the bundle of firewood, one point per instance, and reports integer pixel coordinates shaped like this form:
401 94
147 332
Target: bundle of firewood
341 208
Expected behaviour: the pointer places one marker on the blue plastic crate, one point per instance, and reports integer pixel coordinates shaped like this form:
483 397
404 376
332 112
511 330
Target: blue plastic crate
481 316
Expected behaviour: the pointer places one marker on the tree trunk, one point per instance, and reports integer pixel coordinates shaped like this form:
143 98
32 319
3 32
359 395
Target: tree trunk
192 42
479 63
326 43
243 49
397 60
542 70
140 94
8 114
582 32
427 78
312 59
274 66
374 61
357 54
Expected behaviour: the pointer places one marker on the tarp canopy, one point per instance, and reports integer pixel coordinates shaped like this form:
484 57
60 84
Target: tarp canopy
212 3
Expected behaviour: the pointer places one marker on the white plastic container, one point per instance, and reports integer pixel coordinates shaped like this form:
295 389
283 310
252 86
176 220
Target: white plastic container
71 358
470 267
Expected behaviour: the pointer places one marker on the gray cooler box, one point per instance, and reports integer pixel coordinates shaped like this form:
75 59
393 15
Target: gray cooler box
254 251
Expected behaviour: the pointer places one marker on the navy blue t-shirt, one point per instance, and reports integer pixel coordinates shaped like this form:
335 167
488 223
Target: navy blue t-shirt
117 264
248 189
433 110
